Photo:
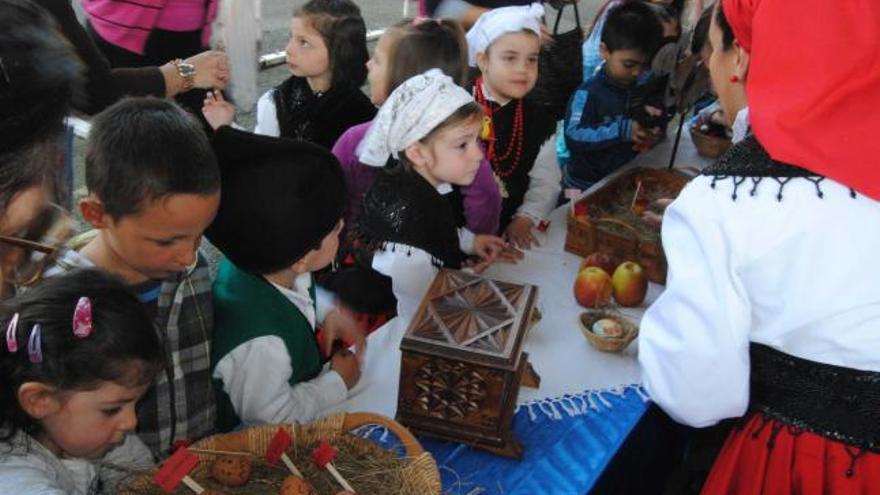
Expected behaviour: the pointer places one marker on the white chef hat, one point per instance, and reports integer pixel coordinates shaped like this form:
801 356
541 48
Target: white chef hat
497 22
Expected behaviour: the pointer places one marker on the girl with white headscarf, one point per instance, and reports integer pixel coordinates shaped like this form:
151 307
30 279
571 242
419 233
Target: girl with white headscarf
406 229
505 43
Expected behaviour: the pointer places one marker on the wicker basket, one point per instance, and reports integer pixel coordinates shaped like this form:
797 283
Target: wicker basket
709 146
419 470
616 237
605 343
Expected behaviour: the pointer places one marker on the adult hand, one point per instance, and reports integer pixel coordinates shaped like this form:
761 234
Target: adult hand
519 232
346 364
212 69
340 325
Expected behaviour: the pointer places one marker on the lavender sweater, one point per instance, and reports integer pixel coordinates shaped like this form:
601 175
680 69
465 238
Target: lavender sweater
482 200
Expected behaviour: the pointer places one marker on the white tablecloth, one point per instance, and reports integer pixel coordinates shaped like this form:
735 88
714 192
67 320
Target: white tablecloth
557 350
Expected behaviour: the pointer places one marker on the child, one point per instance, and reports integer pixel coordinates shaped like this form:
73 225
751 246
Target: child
79 352
266 363
504 44
405 50
406 228
154 186
600 133
326 55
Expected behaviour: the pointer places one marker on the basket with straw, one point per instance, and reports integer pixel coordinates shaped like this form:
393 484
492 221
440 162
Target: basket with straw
368 467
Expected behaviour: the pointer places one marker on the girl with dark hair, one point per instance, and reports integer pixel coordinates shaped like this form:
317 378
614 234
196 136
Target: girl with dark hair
79 352
326 54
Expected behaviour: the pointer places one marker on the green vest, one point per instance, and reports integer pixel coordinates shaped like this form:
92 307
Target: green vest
246 307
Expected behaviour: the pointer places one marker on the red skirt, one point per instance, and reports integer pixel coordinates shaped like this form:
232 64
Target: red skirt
767 457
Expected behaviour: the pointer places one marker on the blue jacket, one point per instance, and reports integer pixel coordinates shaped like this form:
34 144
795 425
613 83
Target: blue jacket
598 130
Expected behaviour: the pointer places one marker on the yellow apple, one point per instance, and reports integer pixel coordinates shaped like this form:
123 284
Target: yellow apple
630 284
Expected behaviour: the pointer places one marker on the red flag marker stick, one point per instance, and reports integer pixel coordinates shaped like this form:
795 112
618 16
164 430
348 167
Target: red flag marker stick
176 470
323 457
278 451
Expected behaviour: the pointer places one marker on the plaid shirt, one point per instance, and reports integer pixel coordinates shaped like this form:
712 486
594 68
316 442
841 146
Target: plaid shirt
181 404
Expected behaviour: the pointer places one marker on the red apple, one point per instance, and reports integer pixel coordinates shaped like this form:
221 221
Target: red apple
630 284
599 260
592 287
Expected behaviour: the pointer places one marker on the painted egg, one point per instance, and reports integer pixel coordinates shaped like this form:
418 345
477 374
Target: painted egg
606 327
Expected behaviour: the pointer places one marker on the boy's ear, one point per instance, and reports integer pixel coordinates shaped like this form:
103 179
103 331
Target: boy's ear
482 61
38 400
92 210
603 51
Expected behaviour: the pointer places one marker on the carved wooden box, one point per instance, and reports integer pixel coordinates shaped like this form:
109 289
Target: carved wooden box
463 360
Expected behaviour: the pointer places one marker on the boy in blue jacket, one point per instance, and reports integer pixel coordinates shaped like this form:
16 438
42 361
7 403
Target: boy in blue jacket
600 131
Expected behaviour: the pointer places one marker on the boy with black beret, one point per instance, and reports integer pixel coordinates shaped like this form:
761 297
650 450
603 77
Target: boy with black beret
279 220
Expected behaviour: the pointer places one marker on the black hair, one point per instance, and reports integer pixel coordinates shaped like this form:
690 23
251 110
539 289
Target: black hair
701 32
433 43
633 26
123 346
145 149
39 78
340 24
727 36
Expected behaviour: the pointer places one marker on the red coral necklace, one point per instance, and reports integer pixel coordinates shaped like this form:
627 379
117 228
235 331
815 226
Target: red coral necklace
517 136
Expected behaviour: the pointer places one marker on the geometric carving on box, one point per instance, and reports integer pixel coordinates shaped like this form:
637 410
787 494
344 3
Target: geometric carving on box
471 312
448 389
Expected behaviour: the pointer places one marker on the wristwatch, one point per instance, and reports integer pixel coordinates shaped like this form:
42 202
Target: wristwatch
187 72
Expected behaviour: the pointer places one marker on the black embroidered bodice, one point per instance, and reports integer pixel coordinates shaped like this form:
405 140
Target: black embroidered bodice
318 118
748 162
403 208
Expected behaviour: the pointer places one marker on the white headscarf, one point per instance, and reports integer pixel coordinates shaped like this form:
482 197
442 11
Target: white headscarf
498 22
411 112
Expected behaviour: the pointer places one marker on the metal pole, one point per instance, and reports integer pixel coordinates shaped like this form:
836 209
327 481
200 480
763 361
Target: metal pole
681 120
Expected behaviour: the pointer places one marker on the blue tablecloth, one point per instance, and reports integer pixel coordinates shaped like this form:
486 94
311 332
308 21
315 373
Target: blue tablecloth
567 444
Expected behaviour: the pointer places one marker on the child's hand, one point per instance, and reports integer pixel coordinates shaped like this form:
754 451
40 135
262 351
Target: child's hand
491 248
639 134
644 138
340 325
217 111
519 232
346 364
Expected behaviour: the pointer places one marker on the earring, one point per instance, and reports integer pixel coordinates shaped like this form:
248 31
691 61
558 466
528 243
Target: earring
734 78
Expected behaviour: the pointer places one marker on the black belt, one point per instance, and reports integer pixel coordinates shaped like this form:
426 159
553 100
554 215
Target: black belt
838 403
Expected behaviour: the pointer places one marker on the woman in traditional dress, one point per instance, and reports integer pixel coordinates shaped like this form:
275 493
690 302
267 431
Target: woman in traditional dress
771 311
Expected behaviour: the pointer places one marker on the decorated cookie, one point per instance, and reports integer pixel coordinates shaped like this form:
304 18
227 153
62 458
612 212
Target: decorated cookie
294 485
231 470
